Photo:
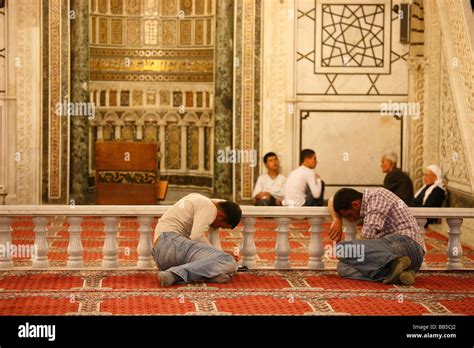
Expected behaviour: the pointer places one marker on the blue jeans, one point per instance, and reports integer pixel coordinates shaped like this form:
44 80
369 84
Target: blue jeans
191 260
377 256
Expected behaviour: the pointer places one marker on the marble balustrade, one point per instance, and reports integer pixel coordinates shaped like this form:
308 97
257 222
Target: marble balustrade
146 214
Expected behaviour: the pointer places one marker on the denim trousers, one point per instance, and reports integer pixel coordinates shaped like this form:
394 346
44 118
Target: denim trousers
377 256
191 260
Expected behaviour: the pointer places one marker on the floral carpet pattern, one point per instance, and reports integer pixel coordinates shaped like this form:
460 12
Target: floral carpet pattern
255 292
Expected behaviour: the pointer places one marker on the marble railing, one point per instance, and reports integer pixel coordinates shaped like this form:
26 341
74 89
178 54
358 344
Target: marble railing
146 214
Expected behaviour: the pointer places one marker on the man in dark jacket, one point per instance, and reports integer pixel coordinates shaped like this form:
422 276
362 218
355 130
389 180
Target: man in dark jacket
396 181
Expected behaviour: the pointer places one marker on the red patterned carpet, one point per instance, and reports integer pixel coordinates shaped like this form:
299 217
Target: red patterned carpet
250 293
263 292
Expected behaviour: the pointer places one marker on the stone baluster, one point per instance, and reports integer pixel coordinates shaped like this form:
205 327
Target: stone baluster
5 242
248 250
144 244
454 245
40 257
74 249
214 237
315 251
282 249
421 224
349 230
110 250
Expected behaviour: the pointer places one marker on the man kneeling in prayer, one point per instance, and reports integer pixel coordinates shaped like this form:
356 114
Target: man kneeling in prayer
393 248
181 250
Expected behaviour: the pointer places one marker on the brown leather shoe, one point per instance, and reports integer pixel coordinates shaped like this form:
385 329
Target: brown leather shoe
396 268
166 278
407 277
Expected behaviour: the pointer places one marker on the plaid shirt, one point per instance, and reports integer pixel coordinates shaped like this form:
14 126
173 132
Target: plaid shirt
384 213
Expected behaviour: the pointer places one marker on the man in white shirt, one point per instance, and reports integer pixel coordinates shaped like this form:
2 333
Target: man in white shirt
269 187
303 186
181 250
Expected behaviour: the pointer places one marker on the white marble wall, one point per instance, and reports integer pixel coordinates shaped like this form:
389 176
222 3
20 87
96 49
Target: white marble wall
347 149
3 74
21 122
299 77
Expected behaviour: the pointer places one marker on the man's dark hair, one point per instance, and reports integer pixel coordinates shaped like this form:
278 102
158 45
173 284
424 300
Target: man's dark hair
344 197
306 153
268 155
232 212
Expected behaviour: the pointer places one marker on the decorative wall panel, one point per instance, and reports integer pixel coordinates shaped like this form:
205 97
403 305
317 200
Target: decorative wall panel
352 49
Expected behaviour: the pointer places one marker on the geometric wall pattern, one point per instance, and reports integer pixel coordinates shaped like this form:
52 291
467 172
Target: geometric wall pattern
365 24
352 49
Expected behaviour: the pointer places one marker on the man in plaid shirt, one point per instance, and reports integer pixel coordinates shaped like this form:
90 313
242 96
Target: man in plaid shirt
393 247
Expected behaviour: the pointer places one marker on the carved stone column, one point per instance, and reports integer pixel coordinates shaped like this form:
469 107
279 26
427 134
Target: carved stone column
80 94
416 88
223 95
56 92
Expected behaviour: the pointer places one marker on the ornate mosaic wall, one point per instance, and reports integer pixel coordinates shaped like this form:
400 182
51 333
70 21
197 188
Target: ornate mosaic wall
152 79
56 88
247 93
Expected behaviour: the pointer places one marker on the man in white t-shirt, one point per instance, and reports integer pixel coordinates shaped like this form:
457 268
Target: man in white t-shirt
303 186
269 187
181 250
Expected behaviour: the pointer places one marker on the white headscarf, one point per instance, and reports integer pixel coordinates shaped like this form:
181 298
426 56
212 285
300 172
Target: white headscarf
438 183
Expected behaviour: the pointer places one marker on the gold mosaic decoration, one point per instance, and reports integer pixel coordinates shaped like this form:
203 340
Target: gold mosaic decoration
143 56
54 181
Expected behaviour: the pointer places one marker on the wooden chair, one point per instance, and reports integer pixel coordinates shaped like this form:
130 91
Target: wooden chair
127 174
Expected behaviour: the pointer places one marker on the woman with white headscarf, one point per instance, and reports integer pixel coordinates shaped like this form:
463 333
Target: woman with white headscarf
433 192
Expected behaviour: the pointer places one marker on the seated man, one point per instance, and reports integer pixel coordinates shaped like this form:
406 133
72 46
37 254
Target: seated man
269 187
303 186
433 192
396 181
394 248
180 249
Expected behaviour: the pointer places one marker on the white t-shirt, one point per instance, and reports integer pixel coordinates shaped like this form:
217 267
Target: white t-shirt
190 216
296 184
266 184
